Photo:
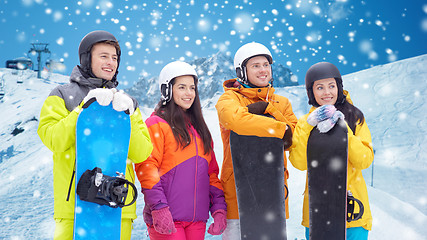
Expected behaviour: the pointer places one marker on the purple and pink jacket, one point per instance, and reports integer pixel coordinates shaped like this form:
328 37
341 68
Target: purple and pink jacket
185 180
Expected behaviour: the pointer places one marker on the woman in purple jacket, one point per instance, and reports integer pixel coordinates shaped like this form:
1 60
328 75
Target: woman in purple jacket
180 178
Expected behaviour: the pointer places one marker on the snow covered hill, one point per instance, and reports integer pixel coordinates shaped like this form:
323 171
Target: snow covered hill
25 163
392 97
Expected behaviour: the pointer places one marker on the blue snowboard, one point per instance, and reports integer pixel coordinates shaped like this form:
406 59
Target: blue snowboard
102 140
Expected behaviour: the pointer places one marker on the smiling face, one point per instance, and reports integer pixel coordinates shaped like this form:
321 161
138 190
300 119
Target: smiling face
325 91
104 61
258 70
184 91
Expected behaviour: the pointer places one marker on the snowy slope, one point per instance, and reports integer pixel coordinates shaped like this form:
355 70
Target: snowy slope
391 96
25 164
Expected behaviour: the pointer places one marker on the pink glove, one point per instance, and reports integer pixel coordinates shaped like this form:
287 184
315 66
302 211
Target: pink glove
163 221
220 222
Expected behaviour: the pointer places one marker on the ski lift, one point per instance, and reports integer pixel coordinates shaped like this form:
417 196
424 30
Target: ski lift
20 63
55 65
39 48
20 78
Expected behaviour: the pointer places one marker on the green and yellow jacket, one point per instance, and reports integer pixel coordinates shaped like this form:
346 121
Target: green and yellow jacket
57 130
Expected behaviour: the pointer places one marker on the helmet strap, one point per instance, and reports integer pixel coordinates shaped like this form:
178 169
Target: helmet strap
245 79
166 93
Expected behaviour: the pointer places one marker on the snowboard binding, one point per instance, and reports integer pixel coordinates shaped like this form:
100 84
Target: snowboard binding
351 216
96 187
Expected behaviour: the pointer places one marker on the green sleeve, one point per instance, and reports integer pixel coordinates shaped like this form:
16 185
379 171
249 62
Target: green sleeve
140 145
57 126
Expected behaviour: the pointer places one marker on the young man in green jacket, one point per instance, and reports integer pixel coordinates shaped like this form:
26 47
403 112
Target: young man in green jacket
95 77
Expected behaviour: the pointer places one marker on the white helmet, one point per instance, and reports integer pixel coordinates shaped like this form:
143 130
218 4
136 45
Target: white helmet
171 71
244 53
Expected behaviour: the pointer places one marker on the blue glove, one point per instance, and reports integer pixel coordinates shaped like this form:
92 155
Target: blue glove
324 117
326 125
320 114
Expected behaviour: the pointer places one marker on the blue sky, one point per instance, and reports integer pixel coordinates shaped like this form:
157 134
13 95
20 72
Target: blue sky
354 35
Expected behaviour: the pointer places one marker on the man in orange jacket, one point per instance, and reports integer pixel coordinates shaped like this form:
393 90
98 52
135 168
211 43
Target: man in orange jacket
246 98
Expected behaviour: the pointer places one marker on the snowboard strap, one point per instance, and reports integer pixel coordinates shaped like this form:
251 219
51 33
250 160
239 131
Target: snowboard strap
98 188
287 192
351 216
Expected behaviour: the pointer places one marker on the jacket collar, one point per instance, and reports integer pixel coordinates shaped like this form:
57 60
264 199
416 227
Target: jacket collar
264 93
79 78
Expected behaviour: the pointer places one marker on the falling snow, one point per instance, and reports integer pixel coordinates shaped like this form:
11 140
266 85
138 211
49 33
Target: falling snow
299 32
353 35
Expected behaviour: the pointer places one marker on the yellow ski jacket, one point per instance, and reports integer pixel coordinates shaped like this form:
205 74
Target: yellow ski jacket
57 130
360 156
233 115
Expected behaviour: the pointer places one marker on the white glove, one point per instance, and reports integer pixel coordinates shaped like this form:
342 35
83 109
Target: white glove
103 96
122 102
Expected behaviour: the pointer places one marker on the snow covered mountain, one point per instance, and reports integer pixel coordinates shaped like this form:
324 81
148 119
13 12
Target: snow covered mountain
212 72
391 96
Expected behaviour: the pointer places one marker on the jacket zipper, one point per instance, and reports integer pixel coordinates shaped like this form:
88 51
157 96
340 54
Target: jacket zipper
195 176
71 182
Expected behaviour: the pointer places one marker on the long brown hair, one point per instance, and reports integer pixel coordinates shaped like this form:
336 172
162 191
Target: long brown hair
353 115
179 120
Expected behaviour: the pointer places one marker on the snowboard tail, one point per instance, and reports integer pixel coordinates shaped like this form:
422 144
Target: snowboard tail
102 141
327 182
258 165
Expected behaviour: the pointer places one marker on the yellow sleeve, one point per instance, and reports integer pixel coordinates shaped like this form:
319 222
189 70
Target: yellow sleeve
233 115
57 126
298 150
360 150
140 145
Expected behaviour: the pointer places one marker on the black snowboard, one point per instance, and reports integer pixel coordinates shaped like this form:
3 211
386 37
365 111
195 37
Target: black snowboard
327 182
259 176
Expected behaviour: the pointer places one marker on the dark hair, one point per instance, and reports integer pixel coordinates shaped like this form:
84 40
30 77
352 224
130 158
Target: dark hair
109 42
179 121
352 114
86 63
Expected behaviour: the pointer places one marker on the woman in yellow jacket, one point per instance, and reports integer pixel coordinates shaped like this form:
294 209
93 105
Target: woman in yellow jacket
325 90
239 109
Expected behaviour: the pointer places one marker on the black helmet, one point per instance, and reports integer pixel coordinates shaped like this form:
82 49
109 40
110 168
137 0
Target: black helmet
323 70
85 48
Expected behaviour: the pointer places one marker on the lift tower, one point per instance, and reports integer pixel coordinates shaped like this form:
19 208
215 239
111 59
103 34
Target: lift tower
39 48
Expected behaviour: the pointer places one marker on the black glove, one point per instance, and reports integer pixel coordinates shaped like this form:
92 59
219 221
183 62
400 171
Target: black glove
287 138
257 108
